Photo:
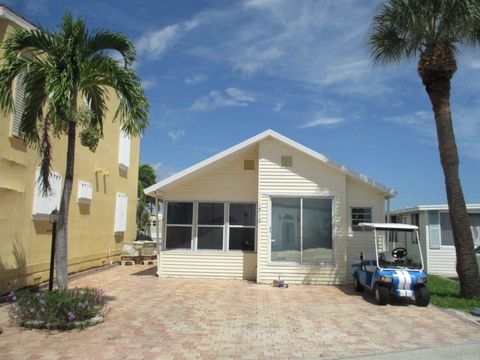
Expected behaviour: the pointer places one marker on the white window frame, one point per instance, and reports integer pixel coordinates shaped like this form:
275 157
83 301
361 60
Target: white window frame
197 225
193 236
227 247
351 218
226 226
269 229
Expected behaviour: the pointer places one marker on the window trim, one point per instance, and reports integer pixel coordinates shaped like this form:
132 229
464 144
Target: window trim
332 263
226 227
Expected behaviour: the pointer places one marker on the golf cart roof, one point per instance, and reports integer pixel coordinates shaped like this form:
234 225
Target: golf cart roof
390 226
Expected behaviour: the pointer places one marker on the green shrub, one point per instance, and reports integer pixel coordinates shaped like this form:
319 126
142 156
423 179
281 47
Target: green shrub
58 309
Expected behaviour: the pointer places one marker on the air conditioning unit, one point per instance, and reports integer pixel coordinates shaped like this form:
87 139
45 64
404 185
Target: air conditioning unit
84 192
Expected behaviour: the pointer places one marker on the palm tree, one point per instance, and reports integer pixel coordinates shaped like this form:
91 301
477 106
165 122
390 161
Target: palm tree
62 68
433 30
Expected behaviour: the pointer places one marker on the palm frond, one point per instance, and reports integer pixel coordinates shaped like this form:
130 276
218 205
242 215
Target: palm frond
106 40
133 109
45 150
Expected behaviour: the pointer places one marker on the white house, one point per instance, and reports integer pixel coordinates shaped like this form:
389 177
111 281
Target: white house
266 208
436 235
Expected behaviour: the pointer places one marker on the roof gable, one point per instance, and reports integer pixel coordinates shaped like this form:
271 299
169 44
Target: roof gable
191 171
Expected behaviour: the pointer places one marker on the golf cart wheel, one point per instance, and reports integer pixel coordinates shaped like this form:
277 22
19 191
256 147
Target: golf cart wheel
381 295
422 296
357 285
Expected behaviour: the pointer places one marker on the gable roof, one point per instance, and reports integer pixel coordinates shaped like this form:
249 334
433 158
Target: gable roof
15 18
191 171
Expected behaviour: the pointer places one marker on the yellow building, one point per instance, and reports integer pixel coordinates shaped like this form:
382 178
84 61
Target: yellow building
103 202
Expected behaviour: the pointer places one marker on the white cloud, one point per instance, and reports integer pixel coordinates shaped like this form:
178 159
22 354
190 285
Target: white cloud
255 59
278 107
162 171
215 100
421 121
154 44
176 134
322 121
149 84
475 64
195 79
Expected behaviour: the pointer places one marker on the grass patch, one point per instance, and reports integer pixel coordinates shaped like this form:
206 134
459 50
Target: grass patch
445 293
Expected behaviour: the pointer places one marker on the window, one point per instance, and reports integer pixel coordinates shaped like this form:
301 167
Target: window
179 225
19 106
210 226
242 221
287 161
124 150
248 164
360 215
121 213
302 230
447 233
44 205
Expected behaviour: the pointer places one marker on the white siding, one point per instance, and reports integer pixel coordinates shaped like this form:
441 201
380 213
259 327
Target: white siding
307 177
226 265
226 182
361 195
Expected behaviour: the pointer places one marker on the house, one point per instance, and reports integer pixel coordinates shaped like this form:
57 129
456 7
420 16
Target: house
103 203
435 232
265 209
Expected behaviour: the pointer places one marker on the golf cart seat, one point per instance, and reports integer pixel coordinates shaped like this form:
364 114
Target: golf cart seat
369 260
387 256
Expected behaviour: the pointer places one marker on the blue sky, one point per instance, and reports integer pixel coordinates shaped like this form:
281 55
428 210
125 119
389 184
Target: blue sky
218 72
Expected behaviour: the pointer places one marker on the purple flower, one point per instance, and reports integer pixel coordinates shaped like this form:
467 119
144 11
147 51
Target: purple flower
32 310
71 316
42 301
12 297
42 309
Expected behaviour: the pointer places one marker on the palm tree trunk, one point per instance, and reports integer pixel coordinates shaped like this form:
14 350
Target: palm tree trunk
61 253
438 90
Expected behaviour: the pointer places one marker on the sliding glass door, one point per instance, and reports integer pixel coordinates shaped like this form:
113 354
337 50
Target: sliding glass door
301 230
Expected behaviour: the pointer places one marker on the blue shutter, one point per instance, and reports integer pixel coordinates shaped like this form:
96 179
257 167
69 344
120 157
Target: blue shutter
434 229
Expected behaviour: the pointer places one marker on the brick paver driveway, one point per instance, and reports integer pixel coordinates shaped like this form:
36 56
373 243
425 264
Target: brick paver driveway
174 318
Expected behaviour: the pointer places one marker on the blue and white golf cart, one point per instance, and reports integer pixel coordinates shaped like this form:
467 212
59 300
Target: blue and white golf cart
396 265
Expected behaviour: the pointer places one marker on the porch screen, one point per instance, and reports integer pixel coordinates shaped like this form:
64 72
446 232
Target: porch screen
301 230
179 225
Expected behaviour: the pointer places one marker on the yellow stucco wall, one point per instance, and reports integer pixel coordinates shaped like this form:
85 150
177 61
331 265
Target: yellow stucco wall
25 243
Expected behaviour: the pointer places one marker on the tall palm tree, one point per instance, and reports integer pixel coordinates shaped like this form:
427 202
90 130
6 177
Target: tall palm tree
433 30
62 68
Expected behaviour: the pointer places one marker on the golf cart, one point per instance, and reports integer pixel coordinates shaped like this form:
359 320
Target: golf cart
396 265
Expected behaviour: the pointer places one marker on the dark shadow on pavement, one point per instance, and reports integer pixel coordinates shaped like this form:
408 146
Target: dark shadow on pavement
147 272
